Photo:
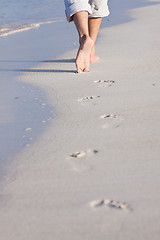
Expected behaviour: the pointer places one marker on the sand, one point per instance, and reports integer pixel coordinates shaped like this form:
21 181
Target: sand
94 172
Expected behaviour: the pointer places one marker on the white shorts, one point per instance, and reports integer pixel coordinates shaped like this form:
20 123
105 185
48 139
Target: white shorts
95 8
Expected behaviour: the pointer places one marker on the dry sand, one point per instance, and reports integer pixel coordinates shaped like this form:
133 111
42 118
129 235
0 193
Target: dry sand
102 148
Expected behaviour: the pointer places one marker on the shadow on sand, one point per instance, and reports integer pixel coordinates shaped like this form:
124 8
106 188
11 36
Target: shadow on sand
72 60
120 11
39 70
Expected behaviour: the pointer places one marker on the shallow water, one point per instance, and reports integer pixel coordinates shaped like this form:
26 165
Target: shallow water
24 109
19 15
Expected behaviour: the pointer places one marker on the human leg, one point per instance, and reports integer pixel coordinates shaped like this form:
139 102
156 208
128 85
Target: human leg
94 26
87 16
86 28
99 9
86 43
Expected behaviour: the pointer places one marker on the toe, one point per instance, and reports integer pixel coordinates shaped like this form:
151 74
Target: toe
79 70
86 70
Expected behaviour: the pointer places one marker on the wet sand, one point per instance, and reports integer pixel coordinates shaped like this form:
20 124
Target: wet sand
94 172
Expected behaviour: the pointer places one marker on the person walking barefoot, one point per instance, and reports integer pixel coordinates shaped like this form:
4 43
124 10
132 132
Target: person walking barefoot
87 16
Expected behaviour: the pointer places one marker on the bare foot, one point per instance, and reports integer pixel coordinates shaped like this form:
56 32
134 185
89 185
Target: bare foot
93 57
83 55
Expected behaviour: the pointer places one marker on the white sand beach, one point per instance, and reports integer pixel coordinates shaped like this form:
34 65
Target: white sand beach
93 172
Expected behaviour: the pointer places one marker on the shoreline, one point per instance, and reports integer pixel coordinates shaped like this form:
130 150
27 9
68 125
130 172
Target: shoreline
102 148
9 29
15 60
24 109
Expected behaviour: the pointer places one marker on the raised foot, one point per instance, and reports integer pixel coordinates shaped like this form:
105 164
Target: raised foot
94 58
83 55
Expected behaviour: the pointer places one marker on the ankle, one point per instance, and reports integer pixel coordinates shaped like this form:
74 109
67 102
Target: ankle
82 37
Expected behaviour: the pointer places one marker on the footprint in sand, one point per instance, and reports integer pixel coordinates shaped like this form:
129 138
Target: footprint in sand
109 203
87 98
113 120
105 83
28 129
81 161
